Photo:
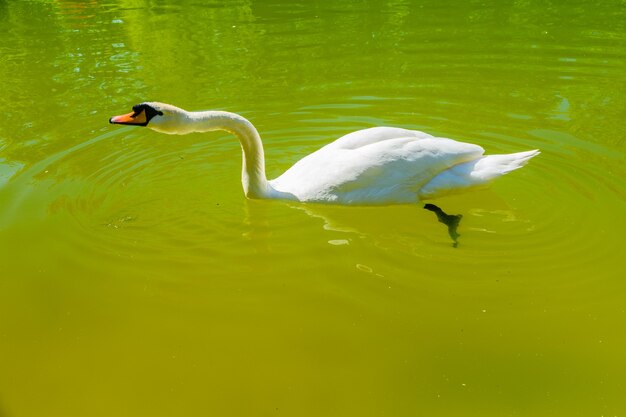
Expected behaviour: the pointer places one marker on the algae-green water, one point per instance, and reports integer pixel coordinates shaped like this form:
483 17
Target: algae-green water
137 280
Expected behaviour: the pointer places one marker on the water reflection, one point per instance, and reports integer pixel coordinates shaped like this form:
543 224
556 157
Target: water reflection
342 225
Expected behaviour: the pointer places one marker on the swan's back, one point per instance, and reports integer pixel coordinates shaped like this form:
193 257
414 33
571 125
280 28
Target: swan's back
366 137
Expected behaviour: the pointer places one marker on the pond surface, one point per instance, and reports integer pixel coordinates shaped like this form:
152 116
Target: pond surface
136 279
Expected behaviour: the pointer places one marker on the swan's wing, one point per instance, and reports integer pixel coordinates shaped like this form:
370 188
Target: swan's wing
389 169
474 174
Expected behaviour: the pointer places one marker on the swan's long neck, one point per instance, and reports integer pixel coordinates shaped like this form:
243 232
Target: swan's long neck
253 176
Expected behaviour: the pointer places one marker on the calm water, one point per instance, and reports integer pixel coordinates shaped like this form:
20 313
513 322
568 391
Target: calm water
136 280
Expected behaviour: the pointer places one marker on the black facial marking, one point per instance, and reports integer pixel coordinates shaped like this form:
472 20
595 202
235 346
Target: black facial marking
150 112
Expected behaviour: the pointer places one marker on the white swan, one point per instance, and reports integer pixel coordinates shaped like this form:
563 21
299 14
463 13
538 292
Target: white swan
380 165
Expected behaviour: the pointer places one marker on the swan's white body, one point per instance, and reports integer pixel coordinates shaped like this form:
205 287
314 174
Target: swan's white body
381 165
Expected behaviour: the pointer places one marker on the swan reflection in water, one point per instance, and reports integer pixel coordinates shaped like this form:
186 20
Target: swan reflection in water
404 225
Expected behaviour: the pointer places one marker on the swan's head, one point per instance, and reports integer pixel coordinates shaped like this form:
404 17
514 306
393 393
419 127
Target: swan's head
161 117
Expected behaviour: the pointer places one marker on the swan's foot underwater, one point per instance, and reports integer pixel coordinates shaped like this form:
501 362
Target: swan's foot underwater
450 220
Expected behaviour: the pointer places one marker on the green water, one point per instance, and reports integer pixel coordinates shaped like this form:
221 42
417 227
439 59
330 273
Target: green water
136 279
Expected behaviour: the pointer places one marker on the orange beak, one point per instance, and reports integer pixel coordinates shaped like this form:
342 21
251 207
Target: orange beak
130 119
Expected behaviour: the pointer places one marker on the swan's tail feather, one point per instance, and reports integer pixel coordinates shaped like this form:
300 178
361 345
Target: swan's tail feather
474 174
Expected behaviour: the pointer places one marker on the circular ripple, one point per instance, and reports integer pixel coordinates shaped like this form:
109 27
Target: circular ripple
147 198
